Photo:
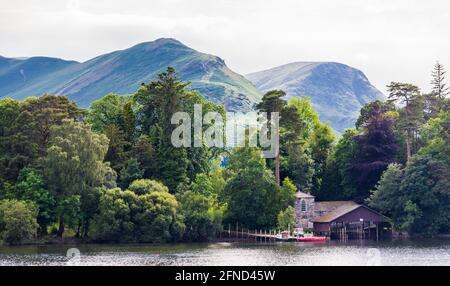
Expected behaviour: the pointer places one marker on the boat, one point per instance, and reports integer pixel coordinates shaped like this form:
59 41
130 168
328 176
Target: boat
284 236
312 239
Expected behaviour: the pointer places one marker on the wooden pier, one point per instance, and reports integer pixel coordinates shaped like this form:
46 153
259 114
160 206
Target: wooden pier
246 235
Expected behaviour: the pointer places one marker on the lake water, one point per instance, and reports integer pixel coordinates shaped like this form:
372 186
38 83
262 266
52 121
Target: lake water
421 252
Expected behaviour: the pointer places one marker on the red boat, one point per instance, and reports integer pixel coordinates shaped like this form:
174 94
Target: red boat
313 239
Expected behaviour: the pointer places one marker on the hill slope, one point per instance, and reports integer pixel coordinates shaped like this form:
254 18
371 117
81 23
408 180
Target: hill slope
337 91
123 72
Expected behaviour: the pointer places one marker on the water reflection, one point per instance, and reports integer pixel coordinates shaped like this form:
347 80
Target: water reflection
423 252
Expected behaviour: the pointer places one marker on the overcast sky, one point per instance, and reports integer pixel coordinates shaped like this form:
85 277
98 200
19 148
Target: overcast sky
389 40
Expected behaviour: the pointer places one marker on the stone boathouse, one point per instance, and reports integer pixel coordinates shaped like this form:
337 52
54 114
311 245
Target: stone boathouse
337 219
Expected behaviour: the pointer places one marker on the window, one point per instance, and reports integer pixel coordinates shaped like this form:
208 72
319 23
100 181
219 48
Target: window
303 206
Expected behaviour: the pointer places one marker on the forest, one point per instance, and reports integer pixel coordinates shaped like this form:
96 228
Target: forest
111 174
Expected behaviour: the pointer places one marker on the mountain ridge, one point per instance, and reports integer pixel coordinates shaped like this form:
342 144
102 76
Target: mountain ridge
123 71
337 91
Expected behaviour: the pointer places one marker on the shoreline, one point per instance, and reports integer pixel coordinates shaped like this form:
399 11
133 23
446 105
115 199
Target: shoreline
84 242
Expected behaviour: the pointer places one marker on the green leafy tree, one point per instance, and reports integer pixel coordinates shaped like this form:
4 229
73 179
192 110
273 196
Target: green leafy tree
272 102
27 126
157 102
39 114
113 223
286 219
112 109
117 148
148 215
337 185
435 101
305 144
251 193
17 221
416 198
10 162
411 116
130 172
144 152
321 144
203 219
74 163
31 186
204 185
142 187
436 137
385 197
299 166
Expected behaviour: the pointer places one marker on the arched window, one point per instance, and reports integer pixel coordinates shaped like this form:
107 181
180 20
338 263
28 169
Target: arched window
303 206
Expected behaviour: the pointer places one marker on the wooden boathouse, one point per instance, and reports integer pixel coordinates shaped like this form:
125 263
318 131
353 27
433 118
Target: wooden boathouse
351 221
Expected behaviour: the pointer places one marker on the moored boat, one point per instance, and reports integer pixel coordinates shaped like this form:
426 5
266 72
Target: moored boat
312 239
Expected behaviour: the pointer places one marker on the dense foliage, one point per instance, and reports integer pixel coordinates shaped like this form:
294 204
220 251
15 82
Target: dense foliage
111 173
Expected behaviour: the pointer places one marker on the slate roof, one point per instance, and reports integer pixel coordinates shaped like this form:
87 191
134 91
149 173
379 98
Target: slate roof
301 195
331 206
340 211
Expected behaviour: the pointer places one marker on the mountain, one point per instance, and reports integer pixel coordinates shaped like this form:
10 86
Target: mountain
123 72
337 91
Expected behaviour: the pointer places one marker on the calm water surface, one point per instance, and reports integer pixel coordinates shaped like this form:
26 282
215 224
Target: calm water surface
423 252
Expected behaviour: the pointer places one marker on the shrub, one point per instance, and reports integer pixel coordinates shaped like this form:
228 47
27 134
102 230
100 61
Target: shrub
18 221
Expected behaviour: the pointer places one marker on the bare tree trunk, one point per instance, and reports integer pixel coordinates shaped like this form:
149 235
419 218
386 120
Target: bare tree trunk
277 169
277 162
61 227
409 146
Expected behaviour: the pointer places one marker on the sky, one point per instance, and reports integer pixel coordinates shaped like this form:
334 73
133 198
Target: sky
389 40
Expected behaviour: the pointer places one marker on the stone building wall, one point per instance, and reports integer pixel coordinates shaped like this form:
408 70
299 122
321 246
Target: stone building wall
303 218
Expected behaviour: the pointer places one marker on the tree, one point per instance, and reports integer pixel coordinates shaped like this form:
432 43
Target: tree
143 187
129 121
203 185
286 218
117 147
321 143
305 144
298 121
337 184
157 102
10 162
158 219
17 221
74 163
440 89
144 152
203 219
435 100
412 116
251 193
39 114
436 137
417 198
272 102
385 197
112 109
147 215
130 172
377 148
299 166
31 187
113 223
